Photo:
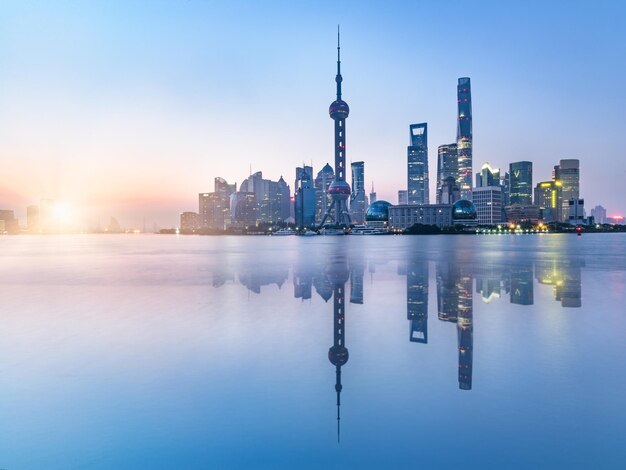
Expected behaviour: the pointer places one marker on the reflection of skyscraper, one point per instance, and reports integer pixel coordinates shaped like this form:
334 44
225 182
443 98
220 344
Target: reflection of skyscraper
337 274
522 284
417 299
464 137
357 271
417 154
455 304
565 277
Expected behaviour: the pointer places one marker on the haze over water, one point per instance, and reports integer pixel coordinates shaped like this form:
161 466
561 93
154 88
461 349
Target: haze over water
213 352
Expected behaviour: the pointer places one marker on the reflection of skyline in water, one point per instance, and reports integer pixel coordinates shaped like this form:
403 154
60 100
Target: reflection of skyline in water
456 280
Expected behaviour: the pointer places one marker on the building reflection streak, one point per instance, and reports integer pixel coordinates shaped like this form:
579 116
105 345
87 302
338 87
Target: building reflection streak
417 300
337 274
455 304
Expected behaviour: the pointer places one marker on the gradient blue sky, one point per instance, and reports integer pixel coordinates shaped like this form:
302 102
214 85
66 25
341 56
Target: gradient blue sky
131 108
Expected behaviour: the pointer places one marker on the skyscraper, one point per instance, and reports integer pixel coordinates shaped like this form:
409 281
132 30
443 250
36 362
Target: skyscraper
464 137
447 165
339 190
417 155
488 203
488 176
358 199
322 198
548 196
599 214
568 173
304 196
521 183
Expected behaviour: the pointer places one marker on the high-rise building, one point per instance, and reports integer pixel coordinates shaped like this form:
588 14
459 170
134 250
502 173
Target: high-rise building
417 156
373 198
447 165
464 137
214 208
505 182
488 176
322 197
304 197
568 173
521 183
8 222
488 203
548 195
244 210
339 190
599 214
284 198
449 192
358 199
403 197
271 197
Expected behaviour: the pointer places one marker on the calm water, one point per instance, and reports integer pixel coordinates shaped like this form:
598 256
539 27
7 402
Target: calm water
167 352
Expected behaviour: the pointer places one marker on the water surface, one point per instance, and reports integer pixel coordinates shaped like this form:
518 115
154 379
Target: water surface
224 352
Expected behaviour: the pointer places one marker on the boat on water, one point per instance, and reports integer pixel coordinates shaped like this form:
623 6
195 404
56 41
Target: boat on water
365 230
307 233
283 232
332 231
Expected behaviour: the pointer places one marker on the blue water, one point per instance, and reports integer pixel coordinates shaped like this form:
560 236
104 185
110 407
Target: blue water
167 352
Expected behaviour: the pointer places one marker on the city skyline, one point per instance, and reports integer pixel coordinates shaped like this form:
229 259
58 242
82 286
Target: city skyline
116 121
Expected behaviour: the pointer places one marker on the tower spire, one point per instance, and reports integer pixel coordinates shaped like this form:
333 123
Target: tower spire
338 79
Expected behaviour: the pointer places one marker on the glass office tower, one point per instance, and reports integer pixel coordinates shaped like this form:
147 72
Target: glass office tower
464 137
417 155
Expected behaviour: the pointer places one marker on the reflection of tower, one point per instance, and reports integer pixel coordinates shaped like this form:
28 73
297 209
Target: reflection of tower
417 300
337 274
566 279
339 190
357 271
455 304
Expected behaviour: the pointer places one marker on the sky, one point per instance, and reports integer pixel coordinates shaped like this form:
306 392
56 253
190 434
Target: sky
132 108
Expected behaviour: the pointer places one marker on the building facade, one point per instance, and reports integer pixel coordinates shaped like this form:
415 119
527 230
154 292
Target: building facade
488 203
464 137
405 216
304 197
521 183
403 197
189 221
568 173
447 166
358 198
417 164
576 211
548 196
599 214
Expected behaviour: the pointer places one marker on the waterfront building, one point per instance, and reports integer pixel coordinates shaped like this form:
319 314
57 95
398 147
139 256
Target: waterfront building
464 213
449 192
568 173
464 137
189 221
518 213
8 222
271 197
447 166
339 190
417 164
488 203
599 214
377 214
214 208
402 217
505 182
304 197
548 198
32 219
244 210
322 197
521 183
576 211
358 198
403 197
283 196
